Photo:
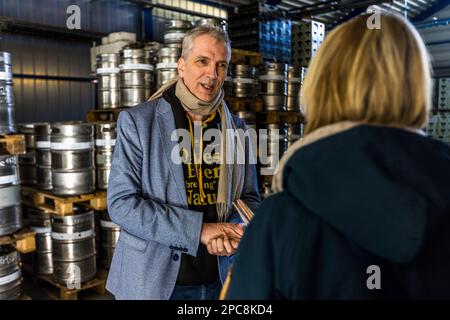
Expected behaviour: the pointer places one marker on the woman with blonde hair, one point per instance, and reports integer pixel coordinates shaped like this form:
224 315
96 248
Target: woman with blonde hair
362 208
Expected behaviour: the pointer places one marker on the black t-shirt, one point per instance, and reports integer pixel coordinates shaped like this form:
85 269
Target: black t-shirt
203 268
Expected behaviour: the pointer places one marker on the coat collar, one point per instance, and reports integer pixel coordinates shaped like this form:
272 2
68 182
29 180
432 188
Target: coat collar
317 135
163 106
166 123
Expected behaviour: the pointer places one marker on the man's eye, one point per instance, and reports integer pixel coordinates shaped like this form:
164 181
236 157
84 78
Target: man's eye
202 61
223 65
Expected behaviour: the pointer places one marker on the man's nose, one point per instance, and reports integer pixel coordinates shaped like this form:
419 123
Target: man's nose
212 71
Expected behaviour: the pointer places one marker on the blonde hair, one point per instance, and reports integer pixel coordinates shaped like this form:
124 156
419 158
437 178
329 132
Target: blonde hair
377 76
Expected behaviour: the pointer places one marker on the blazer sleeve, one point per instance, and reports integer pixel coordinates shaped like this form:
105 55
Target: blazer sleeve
140 216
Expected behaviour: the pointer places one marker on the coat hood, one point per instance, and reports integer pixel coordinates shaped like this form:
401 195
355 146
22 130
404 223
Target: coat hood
383 188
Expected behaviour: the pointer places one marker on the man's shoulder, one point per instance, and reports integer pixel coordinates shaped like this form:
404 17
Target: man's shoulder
144 108
145 111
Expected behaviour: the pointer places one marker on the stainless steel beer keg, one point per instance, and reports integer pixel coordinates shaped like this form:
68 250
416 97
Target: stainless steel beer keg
136 75
10 274
244 81
7 120
108 81
72 153
40 222
43 157
105 139
10 209
167 67
273 86
73 242
109 234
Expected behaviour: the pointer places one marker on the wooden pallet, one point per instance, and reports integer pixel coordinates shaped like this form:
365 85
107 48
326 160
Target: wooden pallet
244 104
23 240
239 56
109 115
61 205
12 144
57 291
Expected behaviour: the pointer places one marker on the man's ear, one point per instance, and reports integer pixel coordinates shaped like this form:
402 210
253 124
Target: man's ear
181 65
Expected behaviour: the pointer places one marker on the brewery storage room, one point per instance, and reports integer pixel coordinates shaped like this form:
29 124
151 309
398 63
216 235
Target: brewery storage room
69 68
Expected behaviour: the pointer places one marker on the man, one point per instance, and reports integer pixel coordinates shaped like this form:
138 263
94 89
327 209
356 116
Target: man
176 217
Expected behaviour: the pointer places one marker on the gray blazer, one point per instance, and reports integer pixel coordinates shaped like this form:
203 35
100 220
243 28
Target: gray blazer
147 198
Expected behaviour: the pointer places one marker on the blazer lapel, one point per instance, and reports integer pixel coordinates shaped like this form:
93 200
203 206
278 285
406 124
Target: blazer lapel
166 125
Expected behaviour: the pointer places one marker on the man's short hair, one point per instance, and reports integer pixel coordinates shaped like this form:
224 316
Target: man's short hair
213 31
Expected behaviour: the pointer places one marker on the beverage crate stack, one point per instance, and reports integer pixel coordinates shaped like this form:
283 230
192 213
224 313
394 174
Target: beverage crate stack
443 94
439 125
261 28
307 36
439 122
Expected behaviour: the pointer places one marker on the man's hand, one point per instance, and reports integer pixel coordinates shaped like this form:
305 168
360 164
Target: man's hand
223 246
221 238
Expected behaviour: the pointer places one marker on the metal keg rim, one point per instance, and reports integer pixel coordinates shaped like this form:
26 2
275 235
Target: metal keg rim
152 46
133 53
84 214
178 24
177 45
104 124
275 66
99 56
41 216
9 262
169 51
239 69
63 127
43 129
246 113
105 128
217 22
69 123
27 127
6 250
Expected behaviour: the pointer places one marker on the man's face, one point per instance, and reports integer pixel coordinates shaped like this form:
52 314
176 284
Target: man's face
205 68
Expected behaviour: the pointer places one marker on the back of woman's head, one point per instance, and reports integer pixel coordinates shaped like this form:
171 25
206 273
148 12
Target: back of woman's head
377 76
